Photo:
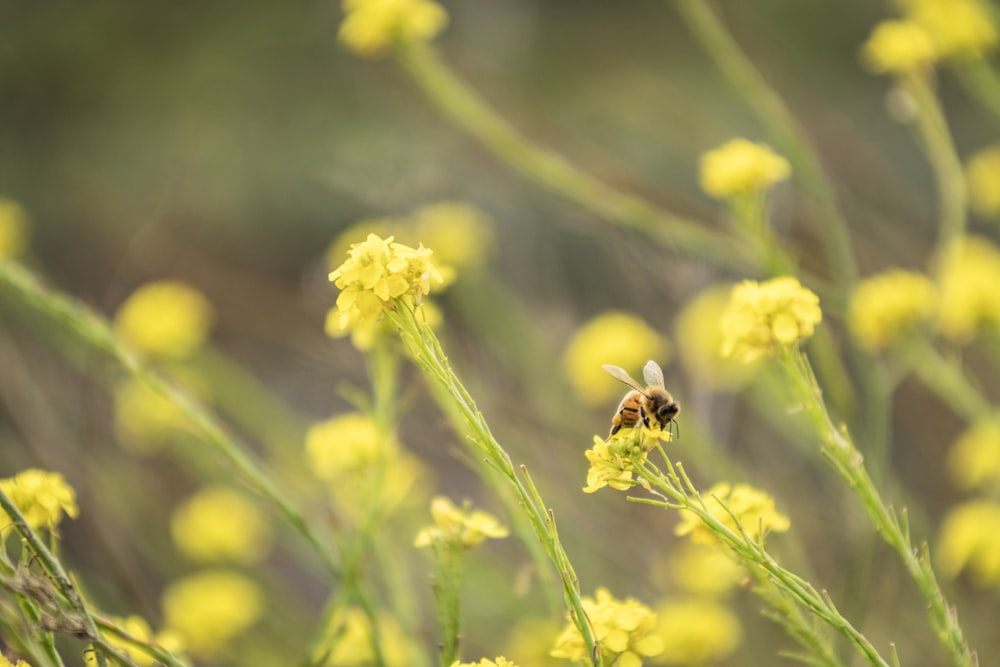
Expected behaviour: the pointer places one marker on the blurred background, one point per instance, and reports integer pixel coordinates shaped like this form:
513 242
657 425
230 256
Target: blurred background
228 145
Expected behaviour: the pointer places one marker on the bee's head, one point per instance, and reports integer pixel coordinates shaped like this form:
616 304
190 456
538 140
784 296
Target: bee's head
668 411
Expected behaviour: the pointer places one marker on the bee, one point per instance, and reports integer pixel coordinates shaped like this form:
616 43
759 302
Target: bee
652 402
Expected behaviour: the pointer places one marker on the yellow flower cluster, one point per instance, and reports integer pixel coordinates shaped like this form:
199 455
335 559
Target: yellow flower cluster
931 30
611 460
459 527
616 337
764 317
741 167
165 319
626 632
752 508
13 229
982 174
974 459
371 27
699 342
139 629
967 283
697 632
211 608
5 662
219 524
499 662
376 272
41 496
969 540
887 305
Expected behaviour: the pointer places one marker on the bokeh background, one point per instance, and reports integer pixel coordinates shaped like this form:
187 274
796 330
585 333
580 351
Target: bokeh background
227 145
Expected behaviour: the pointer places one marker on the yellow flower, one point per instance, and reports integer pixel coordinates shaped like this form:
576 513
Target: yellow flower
404 480
5 662
982 173
959 28
887 305
967 282
398 227
974 459
13 229
763 317
352 644
969 539
165 319
753 508
459 527
41 496
610 338
460 234
611 460
499 662
219 524
700 569
625 630
346 442
137 628
210 609
697 632
898 47
371 27
365 334
378 271
699 342
741 167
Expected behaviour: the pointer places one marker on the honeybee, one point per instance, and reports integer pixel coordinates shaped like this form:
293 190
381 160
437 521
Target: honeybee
652 402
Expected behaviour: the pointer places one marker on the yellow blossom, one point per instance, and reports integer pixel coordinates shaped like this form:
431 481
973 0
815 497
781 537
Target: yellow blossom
982 174
611 460
5 662
764 317
885 306
499 662
967 282
346 442
41 496
13 229
700 569
753 508
612 337
352 643
137 628
969 540
210 609
365 334
898 47
625 630
165 319
959 28
398 227
371 27
699 342
974 459
697 632
219 524
741 167
378 271
459 527
404 480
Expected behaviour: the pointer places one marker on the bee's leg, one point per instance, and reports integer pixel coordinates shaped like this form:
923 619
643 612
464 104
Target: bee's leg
644 416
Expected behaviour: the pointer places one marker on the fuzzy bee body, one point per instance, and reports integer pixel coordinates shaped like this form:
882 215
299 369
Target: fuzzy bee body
643 404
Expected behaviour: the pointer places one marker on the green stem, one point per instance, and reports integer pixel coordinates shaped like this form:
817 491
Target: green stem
946 379
95 331
981 81
839 449
936 139
781 125
425 349
148 648
460 104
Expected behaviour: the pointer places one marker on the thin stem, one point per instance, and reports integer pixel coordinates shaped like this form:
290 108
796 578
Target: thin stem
466 109
947 379
95 332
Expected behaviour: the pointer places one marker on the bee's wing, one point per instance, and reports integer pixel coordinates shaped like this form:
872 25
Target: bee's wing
653 374
620 375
